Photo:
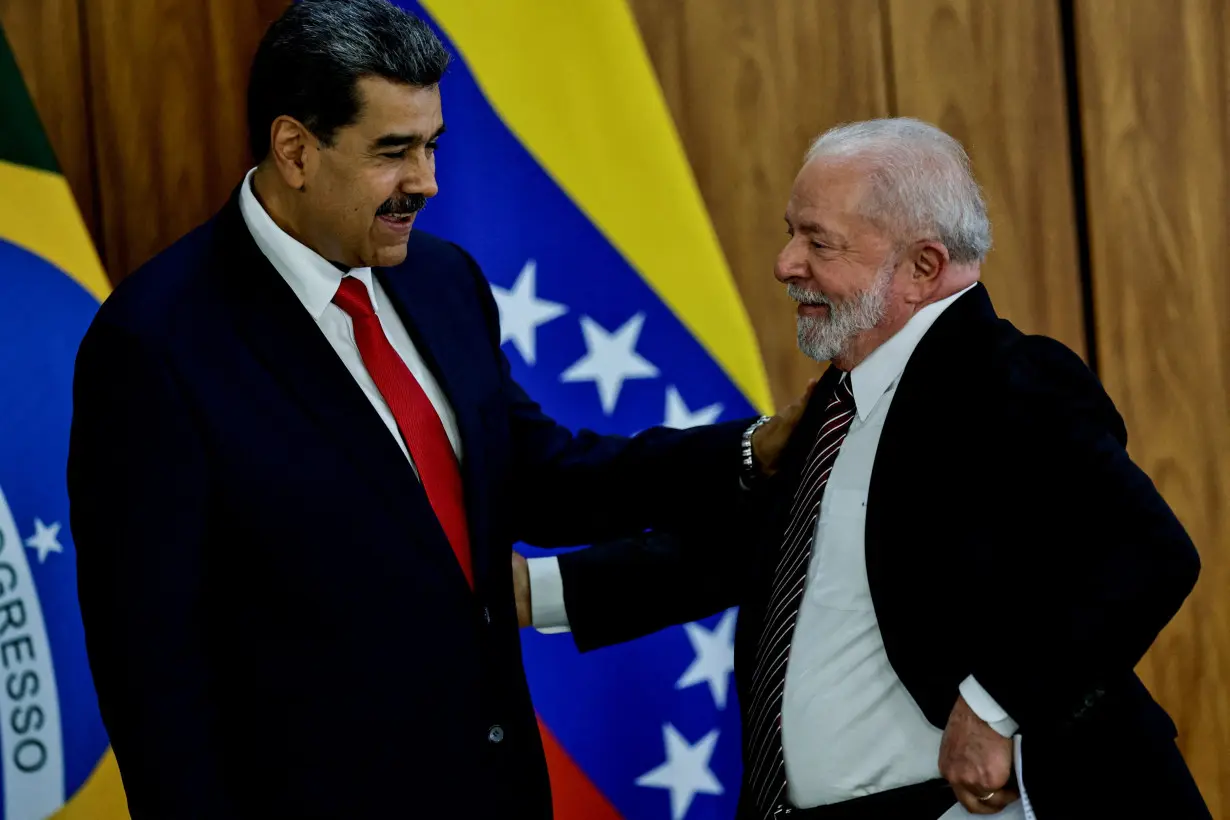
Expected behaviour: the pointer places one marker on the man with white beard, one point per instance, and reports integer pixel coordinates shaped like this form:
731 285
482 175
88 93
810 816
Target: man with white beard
957 566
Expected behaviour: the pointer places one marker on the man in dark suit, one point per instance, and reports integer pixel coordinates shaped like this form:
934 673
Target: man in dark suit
298 464
957 567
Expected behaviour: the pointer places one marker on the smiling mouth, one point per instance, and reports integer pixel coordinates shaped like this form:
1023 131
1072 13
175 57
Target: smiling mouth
397 219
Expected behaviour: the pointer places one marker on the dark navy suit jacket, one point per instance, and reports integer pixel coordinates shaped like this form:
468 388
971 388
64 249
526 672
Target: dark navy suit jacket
276 624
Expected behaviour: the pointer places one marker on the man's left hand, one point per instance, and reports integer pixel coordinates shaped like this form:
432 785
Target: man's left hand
977 761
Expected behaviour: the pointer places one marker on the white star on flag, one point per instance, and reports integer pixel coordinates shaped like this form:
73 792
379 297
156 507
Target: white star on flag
45 539
521 312
715 657
681 418
686 771
611 359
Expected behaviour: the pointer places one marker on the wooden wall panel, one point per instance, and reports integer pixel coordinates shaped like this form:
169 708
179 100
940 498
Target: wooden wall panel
749 85
168 81
46 40
1155 90
992 75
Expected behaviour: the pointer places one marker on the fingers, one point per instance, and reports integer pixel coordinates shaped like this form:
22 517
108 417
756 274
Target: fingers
794 412
971 802
971 799
801 404
1004 798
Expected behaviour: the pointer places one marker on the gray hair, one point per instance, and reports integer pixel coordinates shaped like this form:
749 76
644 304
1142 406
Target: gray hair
921 183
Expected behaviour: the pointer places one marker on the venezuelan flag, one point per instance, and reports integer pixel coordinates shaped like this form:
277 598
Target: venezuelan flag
56 760
563 174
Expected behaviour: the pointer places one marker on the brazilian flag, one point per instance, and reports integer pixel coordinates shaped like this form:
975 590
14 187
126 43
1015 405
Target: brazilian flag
56 757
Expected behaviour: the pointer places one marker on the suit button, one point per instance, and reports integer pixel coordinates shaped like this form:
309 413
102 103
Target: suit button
495 734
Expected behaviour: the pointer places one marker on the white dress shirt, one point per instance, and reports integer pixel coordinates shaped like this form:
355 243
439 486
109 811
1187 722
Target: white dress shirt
849 726
315 281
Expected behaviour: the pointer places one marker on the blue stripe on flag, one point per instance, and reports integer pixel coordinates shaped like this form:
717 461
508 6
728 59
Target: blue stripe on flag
610 709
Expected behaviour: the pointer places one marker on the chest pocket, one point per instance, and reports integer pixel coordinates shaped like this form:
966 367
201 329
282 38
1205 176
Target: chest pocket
837 577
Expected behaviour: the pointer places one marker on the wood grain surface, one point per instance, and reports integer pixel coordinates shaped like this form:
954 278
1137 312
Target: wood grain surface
749 85
991 74
168 82
46 39
1155 91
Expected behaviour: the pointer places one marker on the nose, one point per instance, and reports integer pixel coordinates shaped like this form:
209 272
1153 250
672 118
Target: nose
420 177
428 186
791 261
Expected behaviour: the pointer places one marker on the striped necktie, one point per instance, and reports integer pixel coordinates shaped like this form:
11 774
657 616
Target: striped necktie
766 771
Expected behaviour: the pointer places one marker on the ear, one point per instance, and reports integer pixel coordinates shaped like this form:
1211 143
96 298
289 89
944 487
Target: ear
291 146
930 259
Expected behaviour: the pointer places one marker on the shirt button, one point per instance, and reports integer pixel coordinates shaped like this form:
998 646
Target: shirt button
495 734
487 615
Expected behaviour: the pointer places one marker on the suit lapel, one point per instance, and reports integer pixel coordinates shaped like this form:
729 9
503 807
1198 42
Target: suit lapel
928 375
429 308
296 354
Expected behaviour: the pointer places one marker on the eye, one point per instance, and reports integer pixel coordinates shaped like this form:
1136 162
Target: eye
396 154
432 146
820 246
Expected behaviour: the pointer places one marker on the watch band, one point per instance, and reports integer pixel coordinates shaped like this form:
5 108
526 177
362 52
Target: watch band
749 462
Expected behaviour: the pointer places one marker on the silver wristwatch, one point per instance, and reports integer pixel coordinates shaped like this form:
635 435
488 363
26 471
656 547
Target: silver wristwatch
749 463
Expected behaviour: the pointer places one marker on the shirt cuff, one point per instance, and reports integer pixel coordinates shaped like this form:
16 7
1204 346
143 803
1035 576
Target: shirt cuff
547 595
1020 779
983 705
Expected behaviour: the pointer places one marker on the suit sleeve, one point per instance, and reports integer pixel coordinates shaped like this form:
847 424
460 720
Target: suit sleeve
628 588
1107 564
137 486
580 488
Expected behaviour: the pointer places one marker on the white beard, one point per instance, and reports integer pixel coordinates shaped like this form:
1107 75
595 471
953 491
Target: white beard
824 338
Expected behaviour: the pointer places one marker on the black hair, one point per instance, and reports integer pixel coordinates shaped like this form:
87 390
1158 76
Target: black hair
311 58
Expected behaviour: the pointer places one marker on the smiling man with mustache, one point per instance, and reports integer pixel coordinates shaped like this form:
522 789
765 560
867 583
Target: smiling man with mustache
299 462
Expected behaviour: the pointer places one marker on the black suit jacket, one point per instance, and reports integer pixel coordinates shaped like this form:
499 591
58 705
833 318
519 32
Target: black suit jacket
276 623
1008 536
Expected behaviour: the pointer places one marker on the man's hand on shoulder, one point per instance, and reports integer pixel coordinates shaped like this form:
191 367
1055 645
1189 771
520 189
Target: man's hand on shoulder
977 761
770 439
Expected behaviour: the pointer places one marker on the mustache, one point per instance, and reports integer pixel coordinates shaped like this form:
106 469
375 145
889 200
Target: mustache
408 204
807 297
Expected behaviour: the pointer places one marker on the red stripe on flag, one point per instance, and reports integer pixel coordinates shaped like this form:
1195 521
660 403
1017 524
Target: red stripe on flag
573 796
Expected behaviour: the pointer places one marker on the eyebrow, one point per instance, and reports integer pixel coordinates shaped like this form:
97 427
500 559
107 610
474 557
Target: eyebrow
410 140
815 228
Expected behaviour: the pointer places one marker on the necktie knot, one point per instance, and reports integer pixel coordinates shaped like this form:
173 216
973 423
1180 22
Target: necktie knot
844 394
352 297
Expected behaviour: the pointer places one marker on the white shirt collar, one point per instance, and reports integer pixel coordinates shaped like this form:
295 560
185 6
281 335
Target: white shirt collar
313 278
879 371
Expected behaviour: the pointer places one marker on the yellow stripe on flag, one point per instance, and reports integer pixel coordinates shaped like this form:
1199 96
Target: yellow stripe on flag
102 795
38 213
573 82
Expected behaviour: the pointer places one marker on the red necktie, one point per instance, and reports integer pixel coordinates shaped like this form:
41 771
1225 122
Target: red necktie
417 419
